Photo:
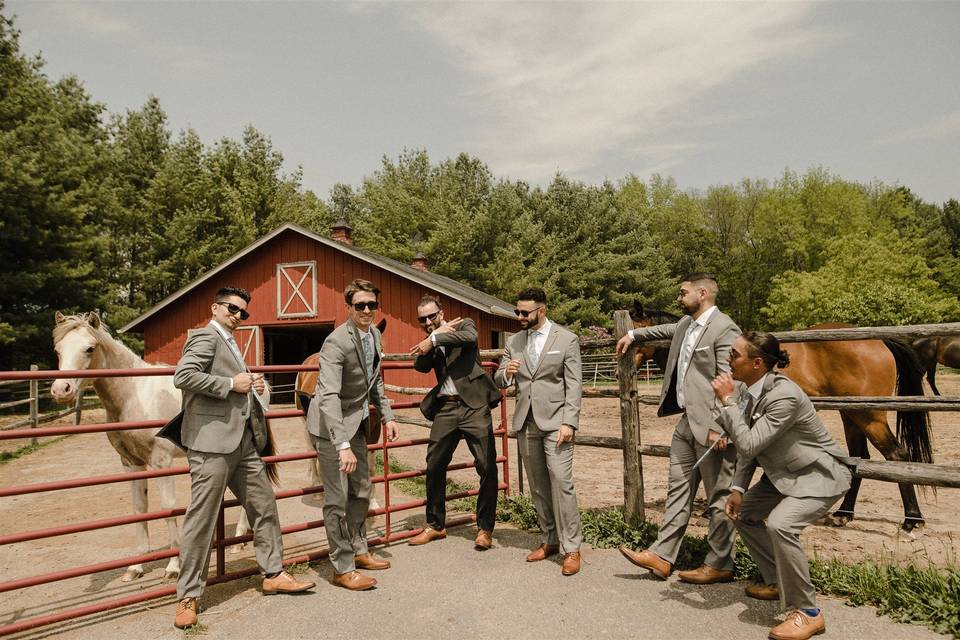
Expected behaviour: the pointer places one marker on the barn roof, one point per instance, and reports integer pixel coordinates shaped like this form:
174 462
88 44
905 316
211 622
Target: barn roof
441 284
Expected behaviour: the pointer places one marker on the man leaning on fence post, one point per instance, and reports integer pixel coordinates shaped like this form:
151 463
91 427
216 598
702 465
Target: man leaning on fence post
699 350
543 361
223 429
338 421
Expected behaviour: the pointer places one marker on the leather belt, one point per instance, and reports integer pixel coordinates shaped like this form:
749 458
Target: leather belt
448 398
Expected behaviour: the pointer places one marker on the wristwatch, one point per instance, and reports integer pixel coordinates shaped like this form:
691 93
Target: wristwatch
728 401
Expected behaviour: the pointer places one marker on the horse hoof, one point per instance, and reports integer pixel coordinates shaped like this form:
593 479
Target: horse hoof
912 527
131 574
838 520
237 548
170 576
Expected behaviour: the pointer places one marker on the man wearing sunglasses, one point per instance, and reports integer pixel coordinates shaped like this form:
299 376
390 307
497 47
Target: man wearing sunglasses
543 361
339 421
224 431
459 406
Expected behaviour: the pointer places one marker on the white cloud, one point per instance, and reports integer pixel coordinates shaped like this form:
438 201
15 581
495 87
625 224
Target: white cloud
563 84
945 126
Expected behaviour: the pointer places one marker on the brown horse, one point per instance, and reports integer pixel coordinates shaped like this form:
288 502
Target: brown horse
849 368
943 350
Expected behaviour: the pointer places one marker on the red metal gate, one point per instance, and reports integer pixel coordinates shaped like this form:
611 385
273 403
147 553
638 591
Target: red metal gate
220 542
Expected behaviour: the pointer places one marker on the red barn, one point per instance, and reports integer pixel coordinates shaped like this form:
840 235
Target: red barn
296 280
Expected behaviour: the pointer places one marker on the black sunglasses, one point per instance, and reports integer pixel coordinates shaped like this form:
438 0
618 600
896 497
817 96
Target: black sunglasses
360 306
234 310
523 313
430 318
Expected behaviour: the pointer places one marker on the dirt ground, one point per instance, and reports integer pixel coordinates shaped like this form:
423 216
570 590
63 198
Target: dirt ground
598 476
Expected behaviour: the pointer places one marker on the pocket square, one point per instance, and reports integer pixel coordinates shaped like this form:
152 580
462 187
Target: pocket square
703 348
550 353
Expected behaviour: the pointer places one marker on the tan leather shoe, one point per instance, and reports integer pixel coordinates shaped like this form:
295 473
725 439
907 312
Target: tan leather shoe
367 561
283 582
429 534
648 560
571 563
705 574
763 591
798 626
542 552
186 613
353 580
484 540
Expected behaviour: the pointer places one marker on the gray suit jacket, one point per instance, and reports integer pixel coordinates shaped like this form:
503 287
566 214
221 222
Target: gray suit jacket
343 388
552 389
213 417
788 439
708 360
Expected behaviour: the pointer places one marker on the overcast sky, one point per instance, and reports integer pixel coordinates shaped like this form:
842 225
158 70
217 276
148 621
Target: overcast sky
707 93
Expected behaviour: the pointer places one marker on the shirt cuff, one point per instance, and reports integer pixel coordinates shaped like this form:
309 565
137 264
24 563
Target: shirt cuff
630 333
231 383
343 445
736 488
433 338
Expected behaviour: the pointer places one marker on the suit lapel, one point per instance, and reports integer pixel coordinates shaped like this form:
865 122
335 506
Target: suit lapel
355 335
524 340
233 354
551 338
677 345
706 327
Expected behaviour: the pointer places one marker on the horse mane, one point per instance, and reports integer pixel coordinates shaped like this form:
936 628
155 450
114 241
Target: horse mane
638 312
100 333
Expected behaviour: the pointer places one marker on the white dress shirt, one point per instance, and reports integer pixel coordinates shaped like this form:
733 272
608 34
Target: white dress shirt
448 388
536 338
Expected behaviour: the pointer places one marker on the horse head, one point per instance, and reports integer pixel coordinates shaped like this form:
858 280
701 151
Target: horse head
78 340
643 317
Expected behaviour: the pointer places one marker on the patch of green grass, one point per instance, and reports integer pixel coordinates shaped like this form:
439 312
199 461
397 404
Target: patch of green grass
914 593
198 629
7 456
298 568
418 486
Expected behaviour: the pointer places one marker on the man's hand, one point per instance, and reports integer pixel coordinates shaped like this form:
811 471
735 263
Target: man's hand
512 367
566 435
393 432
422 348
715 437
723 386
258 384
450 326
623 344
732 507
243 382
348 461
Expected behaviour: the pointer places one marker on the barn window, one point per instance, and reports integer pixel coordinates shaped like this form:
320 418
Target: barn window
248 339
297 290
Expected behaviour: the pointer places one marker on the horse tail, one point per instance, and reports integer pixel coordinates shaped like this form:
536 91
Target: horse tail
273 470
913 427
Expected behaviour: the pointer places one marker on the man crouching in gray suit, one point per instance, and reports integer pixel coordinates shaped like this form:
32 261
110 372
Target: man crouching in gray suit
773 424
543 361
224 430
338 421
700 344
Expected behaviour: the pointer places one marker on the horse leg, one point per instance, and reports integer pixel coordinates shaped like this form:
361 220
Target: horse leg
138 494
932 378
243 528
857 448
883 439
376 492
168 500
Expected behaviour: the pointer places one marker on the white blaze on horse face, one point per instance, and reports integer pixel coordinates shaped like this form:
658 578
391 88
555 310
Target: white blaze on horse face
75 352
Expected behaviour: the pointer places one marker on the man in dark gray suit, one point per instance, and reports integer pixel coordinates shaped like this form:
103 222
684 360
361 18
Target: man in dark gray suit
699 350
459 406
543 360
224 431
338 421
773 424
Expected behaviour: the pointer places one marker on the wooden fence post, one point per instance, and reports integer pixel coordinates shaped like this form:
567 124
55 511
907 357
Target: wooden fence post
34 403
630 427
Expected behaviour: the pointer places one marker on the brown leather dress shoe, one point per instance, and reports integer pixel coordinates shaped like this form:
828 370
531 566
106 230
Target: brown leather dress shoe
571 563
353 580
429 534
367 561
763 591
186 613
484 540
542 552
798 626
284 583
648 560
705 574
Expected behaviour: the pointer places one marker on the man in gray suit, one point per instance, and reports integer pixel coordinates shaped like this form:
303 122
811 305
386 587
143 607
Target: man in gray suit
699 349
543 361
773 424
224 431
459 407
338 421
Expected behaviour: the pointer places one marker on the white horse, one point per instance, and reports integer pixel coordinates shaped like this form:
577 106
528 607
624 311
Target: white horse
84 342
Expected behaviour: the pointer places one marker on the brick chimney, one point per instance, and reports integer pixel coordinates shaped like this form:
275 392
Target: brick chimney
340 231
420 262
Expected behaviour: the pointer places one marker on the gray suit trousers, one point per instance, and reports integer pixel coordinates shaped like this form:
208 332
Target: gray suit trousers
550 473
346 500
245 474
716 472
775 546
